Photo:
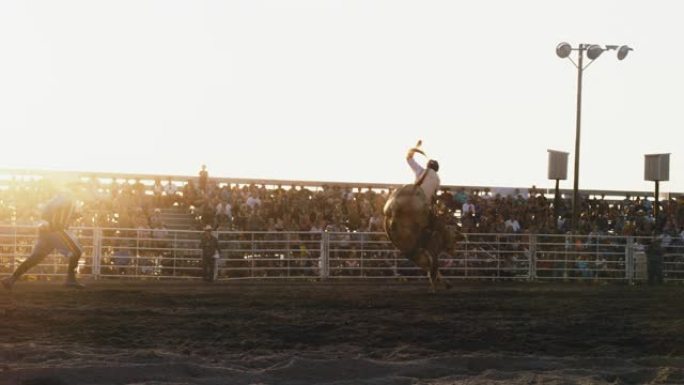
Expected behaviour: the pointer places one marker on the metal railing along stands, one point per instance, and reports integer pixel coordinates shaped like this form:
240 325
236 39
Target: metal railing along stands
175 254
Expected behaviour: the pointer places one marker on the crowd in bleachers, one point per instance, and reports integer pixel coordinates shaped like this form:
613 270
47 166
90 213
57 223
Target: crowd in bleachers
134 205
130 214
532 212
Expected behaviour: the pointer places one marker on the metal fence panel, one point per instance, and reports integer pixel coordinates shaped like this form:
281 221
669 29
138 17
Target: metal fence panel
16 244
160 254
673 261
270 255
581 258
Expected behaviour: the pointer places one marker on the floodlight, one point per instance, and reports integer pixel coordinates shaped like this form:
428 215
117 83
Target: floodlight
623 51
594 51
563 50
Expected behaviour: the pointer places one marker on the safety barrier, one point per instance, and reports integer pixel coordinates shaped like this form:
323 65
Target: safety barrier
16 243
174 254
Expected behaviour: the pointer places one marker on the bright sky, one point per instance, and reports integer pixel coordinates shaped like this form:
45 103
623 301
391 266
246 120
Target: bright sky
339 90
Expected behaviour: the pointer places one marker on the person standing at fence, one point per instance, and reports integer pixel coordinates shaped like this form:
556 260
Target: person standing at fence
654 261
210 254
52 234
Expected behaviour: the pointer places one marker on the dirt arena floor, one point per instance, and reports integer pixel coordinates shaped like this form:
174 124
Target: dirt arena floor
128 332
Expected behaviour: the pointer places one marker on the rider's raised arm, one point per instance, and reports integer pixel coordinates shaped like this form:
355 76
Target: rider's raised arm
417 169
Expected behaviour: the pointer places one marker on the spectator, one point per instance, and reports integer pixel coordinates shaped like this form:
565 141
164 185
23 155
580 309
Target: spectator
171 190
654 255
468 207
210 254
253 200
157 191
224 215
207 214
121 204
203 178
190 194
512 225
155 218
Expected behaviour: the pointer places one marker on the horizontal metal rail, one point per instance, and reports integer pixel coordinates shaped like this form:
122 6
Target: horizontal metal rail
140 254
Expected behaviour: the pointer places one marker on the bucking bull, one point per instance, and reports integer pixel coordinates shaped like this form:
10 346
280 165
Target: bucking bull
417 233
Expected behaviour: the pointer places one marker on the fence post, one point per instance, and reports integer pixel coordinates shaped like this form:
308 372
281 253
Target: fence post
216 261
498 256
137 253
532 273
252 260
289 255
361 251
629 260
324 260
175 246
97 252
16 250
465 262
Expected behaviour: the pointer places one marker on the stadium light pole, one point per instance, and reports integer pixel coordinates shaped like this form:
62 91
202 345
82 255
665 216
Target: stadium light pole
593 51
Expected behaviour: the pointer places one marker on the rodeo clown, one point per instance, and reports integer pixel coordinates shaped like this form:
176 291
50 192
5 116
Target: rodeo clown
52 234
